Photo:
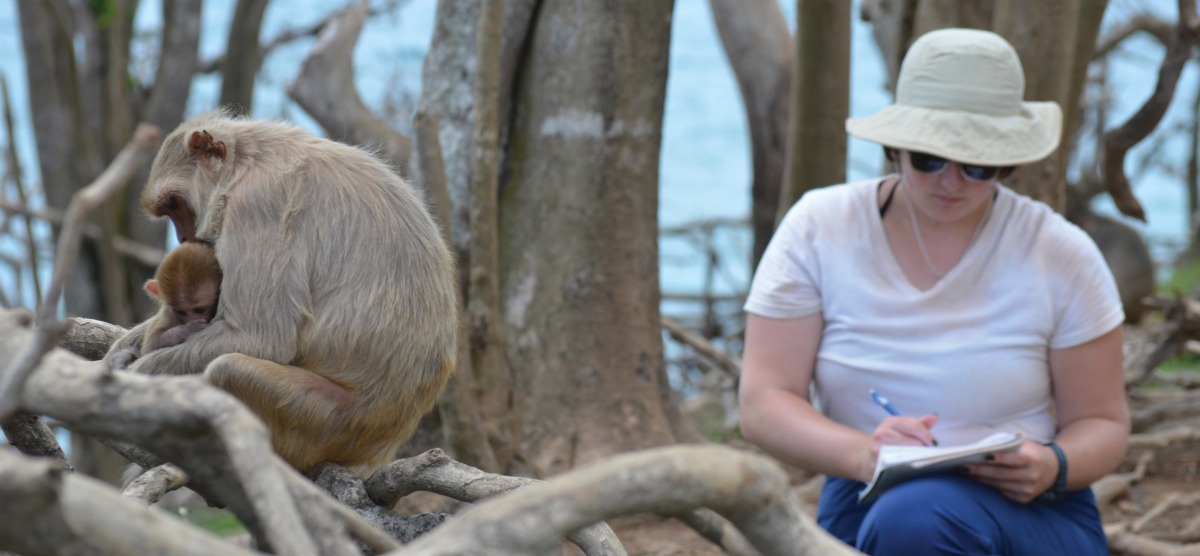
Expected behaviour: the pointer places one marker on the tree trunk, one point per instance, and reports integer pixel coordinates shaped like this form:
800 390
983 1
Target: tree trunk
242 56
83 112
1047 78
820 99
759 47
579 231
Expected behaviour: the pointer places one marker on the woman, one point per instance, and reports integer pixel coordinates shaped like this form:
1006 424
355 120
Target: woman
972 308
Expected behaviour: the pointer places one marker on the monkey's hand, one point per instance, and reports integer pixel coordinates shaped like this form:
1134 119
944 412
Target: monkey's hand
121 359
126 349
177 334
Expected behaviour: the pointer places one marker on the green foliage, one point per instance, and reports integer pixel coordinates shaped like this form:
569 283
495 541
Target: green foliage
1185 363
218 522
105 11
1184 278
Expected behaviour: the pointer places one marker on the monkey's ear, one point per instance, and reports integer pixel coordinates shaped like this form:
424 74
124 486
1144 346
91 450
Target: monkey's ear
151 288
202 143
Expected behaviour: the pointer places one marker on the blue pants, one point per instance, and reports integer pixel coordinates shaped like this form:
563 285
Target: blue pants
948 514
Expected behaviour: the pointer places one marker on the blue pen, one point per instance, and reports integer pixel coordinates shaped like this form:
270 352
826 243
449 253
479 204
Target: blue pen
887 406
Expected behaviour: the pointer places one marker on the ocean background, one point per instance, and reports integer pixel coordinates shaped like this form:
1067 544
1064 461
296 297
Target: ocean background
705 170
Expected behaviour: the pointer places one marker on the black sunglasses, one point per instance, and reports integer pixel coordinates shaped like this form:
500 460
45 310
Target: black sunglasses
930 164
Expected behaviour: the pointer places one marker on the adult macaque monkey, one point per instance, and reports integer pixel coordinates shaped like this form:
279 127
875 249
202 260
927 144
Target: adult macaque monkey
186 285
337 322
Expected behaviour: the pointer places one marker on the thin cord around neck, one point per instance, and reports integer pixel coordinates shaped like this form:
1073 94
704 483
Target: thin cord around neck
912 215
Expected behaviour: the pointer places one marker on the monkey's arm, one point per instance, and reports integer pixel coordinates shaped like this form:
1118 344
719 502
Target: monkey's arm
126 349
175 335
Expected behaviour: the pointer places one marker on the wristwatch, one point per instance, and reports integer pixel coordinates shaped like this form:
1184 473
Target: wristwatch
1056 492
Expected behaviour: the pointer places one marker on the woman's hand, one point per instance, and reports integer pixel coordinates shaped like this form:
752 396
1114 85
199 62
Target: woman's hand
1022 475
907 431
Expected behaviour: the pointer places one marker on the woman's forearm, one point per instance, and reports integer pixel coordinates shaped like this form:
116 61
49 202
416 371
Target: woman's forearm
1094 447
789 428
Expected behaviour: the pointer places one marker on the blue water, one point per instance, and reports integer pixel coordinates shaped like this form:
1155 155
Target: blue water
705 171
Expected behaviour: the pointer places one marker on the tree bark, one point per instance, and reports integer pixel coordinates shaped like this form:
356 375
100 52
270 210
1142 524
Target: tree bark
242 56
820 99
579 222
759 47
497 394
1047 78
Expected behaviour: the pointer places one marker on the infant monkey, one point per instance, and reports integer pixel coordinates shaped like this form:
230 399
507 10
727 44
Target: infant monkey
187 286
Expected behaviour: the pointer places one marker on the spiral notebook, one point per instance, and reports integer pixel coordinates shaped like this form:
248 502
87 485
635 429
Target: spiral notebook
897 464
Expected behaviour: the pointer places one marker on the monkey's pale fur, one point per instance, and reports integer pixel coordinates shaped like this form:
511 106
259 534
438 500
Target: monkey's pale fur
337 321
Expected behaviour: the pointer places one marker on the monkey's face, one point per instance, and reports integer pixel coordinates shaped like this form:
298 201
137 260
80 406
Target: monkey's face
184 174
199 303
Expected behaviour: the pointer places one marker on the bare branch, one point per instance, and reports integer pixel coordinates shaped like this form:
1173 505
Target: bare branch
433 471
724 361
325 89
29 434
128 162
1117 142
75 514
749 490
151 485
144 254
1154 26
13 169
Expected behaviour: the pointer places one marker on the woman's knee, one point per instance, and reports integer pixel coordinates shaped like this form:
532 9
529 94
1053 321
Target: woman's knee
931 515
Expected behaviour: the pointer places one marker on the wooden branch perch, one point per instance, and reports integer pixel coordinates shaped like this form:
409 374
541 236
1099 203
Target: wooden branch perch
65 513
749 490
434 471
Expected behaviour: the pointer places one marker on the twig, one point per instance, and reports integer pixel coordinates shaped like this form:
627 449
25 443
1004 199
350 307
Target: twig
724 361
149 256
128 162
14 171
151 485
285 37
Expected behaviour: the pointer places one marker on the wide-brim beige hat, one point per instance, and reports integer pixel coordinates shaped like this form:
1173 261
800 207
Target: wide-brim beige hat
960 96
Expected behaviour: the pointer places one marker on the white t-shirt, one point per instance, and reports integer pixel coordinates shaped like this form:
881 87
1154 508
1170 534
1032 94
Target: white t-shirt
973 348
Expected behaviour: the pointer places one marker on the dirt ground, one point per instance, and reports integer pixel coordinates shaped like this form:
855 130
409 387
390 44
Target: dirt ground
1174 470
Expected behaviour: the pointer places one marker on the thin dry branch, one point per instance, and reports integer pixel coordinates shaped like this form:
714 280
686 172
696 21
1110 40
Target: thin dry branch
749 490
146 255
1153 25
288 36
725 361
128 162
1162 439
325 89
13 171
1115 485
153 484
1170 501
1117 142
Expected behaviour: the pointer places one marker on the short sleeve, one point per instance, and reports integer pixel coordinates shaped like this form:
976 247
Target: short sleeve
1089 304
786 283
